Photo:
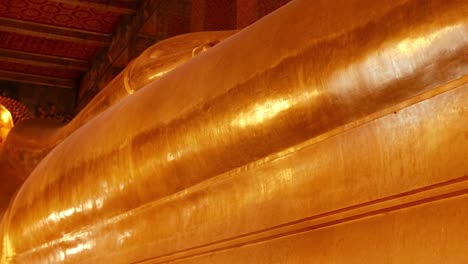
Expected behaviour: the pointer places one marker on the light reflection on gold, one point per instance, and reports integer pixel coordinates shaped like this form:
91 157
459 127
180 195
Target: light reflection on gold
6 123
383 66
411 46
214 162
157 75
78 248
126 80
261 112
6 116
269 109
7 250
82 208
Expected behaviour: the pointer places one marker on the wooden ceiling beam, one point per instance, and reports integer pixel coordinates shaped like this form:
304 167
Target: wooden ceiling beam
36 79
53 32
43 60
100 6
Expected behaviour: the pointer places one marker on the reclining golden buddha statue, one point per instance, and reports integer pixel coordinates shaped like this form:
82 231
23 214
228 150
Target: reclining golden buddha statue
326 132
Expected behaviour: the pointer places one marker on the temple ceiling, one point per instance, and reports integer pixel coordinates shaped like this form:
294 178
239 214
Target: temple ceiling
51 43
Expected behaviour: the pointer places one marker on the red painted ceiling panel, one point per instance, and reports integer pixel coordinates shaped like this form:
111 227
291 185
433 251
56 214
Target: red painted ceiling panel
59 14
121 3
44 71
45 46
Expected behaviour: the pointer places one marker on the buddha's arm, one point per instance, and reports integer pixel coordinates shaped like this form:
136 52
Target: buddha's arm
312 109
